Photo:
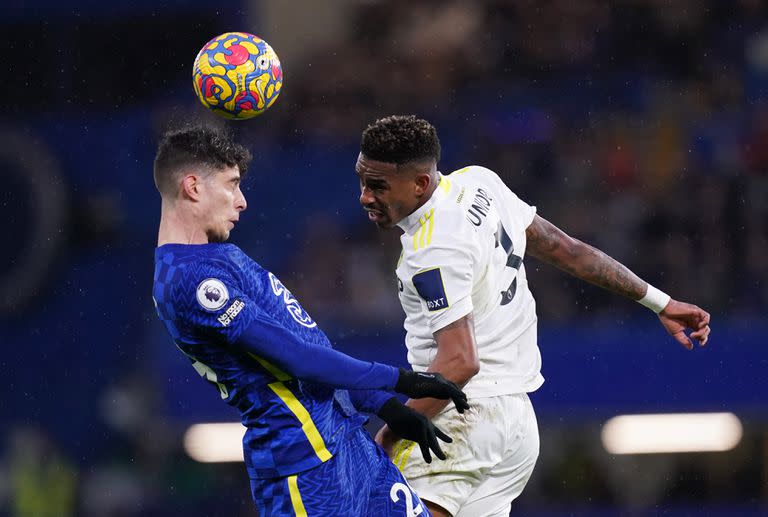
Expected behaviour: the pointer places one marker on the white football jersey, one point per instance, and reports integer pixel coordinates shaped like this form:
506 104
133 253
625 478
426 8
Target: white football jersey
463 253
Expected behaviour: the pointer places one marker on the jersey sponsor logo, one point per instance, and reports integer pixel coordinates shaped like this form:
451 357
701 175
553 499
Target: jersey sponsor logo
477 212
212 294
429 285
231 313
299 315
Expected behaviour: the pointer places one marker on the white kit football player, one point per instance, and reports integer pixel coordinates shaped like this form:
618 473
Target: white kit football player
470 314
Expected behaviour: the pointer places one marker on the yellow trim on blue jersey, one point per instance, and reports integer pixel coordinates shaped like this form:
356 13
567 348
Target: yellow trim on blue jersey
296 502
307 425
276 372
296 407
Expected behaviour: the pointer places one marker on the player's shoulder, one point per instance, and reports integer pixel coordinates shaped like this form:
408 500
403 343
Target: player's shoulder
474 175
443 231
459 191
205 267
481 182
472 170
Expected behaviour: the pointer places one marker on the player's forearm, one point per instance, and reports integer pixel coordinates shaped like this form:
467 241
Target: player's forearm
456 360
459 370
596 267
369 401
549 243
310 362
427 407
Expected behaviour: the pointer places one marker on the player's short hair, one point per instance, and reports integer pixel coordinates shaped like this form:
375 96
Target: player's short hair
195 146
400 139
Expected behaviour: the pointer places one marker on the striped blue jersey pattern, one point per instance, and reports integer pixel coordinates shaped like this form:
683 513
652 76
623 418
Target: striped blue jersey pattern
207 295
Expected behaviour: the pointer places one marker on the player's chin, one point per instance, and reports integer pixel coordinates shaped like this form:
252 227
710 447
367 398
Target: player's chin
384 224
380 219
219 236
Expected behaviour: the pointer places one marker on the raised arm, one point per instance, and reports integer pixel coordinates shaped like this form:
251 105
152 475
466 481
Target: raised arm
549 243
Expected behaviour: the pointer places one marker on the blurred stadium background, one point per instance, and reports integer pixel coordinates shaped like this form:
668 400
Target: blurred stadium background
640 126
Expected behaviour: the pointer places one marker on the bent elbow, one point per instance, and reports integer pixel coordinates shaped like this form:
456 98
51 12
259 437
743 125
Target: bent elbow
469 367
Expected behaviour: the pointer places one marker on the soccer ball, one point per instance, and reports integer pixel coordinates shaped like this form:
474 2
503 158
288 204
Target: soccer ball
237 75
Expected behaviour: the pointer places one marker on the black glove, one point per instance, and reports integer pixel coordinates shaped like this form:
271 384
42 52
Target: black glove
426 384
412 425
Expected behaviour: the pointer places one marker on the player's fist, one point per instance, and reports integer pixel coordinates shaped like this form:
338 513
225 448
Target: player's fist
677 317
412 425
427 384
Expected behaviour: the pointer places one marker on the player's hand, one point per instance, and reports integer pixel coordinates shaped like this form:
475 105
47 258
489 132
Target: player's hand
412 425
677 317
429 384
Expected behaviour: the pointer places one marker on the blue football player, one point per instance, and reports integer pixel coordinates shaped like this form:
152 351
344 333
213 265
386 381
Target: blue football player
305 449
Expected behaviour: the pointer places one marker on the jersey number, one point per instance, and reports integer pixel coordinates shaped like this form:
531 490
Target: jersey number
398 488
513 261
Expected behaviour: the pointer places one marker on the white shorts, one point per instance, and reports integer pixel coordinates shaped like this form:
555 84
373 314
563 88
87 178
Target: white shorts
494 449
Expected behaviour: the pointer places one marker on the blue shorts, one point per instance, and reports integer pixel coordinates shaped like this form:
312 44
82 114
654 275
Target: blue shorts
359 480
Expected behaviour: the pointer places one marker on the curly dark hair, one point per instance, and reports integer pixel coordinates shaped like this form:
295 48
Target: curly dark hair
400 139
196 146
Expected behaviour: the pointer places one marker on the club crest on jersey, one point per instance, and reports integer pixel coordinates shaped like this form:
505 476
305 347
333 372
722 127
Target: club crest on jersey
429 285
212 294
292 304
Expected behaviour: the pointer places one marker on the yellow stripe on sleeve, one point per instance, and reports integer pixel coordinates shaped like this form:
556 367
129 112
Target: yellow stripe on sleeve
276 372
296 502
296 407
307 425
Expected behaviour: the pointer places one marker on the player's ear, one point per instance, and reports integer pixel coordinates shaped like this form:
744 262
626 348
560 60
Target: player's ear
190 187
422 182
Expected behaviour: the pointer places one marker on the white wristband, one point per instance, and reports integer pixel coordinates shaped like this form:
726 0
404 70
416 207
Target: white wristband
654 299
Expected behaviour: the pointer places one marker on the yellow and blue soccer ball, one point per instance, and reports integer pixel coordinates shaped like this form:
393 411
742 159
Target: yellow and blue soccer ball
237 75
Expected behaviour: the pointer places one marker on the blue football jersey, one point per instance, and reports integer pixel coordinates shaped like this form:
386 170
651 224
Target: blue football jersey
207 295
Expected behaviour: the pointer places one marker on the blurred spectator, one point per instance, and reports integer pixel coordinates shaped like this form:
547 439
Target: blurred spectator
43 482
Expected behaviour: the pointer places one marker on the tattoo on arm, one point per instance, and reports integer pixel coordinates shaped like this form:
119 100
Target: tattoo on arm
549 243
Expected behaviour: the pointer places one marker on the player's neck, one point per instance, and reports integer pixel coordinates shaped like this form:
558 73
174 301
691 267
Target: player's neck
427 194
177 229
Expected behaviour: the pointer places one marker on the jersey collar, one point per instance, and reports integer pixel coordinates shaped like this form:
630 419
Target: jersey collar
408 223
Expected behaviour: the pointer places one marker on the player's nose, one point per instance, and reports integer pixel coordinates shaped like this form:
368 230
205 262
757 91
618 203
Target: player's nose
366 198
241 203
